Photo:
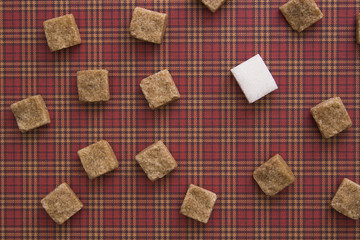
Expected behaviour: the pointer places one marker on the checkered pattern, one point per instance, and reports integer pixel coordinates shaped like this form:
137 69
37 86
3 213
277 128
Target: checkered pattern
216 137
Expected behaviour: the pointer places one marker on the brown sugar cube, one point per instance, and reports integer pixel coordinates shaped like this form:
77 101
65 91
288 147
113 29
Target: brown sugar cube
62 32
159 89
148 25
213 5
358 29
98 159
301 14
331 117
347 199
198 203
61 204
93 85
30 113
274 175
156 161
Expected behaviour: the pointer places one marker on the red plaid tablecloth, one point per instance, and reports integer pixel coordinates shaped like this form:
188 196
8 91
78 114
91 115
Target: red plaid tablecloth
216 137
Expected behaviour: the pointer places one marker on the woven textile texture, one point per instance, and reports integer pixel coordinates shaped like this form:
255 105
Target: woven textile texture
216 137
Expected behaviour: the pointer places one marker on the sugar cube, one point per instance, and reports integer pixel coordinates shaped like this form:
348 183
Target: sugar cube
98 159
159 89
30 113
198 203
254 78
301 14
213 5
347 199
156 161
331 117
274 175
62 32
61 204
148 25
93 85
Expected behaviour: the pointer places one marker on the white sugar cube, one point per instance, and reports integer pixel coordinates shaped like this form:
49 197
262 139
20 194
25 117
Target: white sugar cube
254 78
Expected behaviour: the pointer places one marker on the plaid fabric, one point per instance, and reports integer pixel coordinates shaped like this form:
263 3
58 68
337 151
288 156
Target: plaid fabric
216 137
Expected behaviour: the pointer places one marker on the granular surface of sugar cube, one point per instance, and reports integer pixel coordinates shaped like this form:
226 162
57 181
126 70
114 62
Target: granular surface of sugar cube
159 89
301 14
254 78
93 85
30 113
148 25
347 199
98 159
61 204
213 5
274 175
331 117
358 29
198 203
156 161
62 32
